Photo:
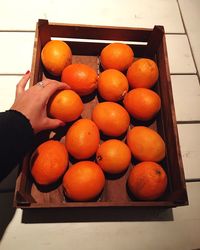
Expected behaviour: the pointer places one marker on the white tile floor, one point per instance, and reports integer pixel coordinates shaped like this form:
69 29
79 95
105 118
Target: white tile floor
181 21
16 45
190 12
186 94
119 13
180 57
189 135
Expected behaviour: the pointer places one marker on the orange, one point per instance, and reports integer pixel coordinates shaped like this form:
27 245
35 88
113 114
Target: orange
113 156
112 85
82 139
146 144
83 181
65 105
116 56
81 78
56 55
143 104
143 73
147 181
49 162
111 118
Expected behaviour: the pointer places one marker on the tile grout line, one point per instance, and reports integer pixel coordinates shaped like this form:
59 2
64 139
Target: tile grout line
17 31
192 180
11 74
188 122
178 74
175 33
198 76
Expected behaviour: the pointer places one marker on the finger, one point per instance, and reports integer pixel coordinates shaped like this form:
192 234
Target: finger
20 88
53 123
51 86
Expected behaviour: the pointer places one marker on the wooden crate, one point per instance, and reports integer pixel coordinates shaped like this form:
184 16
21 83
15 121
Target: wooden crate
86 43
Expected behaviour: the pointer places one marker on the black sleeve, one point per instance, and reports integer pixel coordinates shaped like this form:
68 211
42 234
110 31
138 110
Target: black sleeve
16 138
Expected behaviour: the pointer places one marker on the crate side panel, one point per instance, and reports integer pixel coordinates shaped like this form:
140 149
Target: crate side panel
101 33
175 166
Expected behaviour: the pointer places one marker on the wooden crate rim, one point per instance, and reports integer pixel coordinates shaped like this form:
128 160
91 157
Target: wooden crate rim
173 202
77 25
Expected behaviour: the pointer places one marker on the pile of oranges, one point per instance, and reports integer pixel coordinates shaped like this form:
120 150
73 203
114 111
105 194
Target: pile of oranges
125 89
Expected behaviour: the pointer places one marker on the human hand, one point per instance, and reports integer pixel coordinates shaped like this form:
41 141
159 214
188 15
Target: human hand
32 103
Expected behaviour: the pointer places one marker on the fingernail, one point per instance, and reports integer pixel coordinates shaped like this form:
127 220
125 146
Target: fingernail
66 85
62 124
28 71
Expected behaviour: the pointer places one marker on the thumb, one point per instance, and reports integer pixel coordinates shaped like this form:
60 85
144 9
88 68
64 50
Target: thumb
53 123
